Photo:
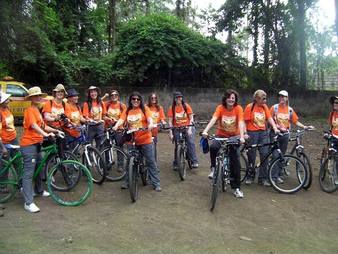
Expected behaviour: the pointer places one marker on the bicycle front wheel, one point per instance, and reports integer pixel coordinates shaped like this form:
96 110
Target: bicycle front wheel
94 161
181 161
244 167
216 184
328 175
116 163
133 179
287 174
75 195
8 183
303 157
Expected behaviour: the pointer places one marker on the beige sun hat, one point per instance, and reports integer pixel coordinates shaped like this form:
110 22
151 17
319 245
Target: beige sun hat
35 91
94 88
60 87
4 97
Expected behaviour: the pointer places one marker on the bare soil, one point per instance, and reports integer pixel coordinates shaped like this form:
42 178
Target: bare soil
178 219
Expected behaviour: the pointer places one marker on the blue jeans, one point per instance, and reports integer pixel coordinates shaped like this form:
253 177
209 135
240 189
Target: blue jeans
259 137
283 142
96 132
190 145
148 153
31 158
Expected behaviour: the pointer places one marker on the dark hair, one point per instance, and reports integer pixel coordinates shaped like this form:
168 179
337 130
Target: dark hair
130 105
150 103
90 100
227 94
173 105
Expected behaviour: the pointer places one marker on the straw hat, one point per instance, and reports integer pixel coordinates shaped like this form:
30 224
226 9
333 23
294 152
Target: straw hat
4 97
94 88
59 88
35 91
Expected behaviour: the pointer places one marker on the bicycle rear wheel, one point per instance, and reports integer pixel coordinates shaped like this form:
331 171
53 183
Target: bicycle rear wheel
133 179
71 175
94 161
291 170
8 183
181 161
328 175
216 184
75 195
303 157
116 162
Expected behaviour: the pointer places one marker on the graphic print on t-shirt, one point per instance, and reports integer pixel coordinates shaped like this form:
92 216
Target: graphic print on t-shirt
181 117
114 113
259 119
229 123
96 113
135 121
283 119
10 123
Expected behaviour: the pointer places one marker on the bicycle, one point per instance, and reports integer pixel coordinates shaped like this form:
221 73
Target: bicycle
89 155
136 167
182 150
63 180
114 156
288 167
221 176
328 173
298 149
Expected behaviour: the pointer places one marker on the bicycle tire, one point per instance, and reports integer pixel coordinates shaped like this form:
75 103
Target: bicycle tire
305 159
327 175
96 164
72 178
293 171
9 186
216 182
79 193
115 171
144 173
133 179
181 162
244 167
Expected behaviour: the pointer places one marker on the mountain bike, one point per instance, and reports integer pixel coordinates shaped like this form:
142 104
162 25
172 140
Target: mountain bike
69 182
221 176
328 173
114 157
289 168
299 151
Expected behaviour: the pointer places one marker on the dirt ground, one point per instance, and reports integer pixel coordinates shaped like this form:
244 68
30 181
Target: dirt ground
178 219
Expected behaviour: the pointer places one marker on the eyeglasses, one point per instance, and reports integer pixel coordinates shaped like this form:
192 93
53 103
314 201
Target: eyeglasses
114 94
263 99
135 99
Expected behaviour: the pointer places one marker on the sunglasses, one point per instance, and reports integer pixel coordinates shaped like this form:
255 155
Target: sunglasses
335 102
263 99
135 99
154 98
114 94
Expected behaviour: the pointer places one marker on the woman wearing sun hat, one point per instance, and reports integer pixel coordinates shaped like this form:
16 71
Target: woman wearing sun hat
94 111
53 109
34 130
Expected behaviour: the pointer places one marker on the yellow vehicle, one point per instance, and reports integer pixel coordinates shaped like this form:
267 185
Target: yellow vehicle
18 91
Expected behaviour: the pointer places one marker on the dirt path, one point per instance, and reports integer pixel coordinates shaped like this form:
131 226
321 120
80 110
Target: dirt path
177 220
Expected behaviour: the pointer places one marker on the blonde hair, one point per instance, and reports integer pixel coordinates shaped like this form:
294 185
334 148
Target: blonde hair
258 93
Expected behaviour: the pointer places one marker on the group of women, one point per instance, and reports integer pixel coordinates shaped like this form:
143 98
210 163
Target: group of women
44 118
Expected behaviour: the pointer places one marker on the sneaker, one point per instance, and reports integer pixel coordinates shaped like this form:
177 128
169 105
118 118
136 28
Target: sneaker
175 167
158 188
43 194
211 175
249 181
238 193
2 213
266 183
195 165
279 180
336 182
124 186
32 208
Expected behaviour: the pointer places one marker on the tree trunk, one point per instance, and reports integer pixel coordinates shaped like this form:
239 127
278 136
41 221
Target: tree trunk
267 28
336 18
255 34
112 25
301 41
147 6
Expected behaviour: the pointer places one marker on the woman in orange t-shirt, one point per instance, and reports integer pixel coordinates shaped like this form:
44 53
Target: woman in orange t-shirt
180 114
138 116
34 130
229 116
94 112
157 114
333 123
256 117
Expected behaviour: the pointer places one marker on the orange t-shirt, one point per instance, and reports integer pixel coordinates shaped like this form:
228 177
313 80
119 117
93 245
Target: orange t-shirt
114 111
282 116
181 117
255 119
136 119
333 122
30 136
157 115
228 120
8 132
73 112
97 111
55 109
